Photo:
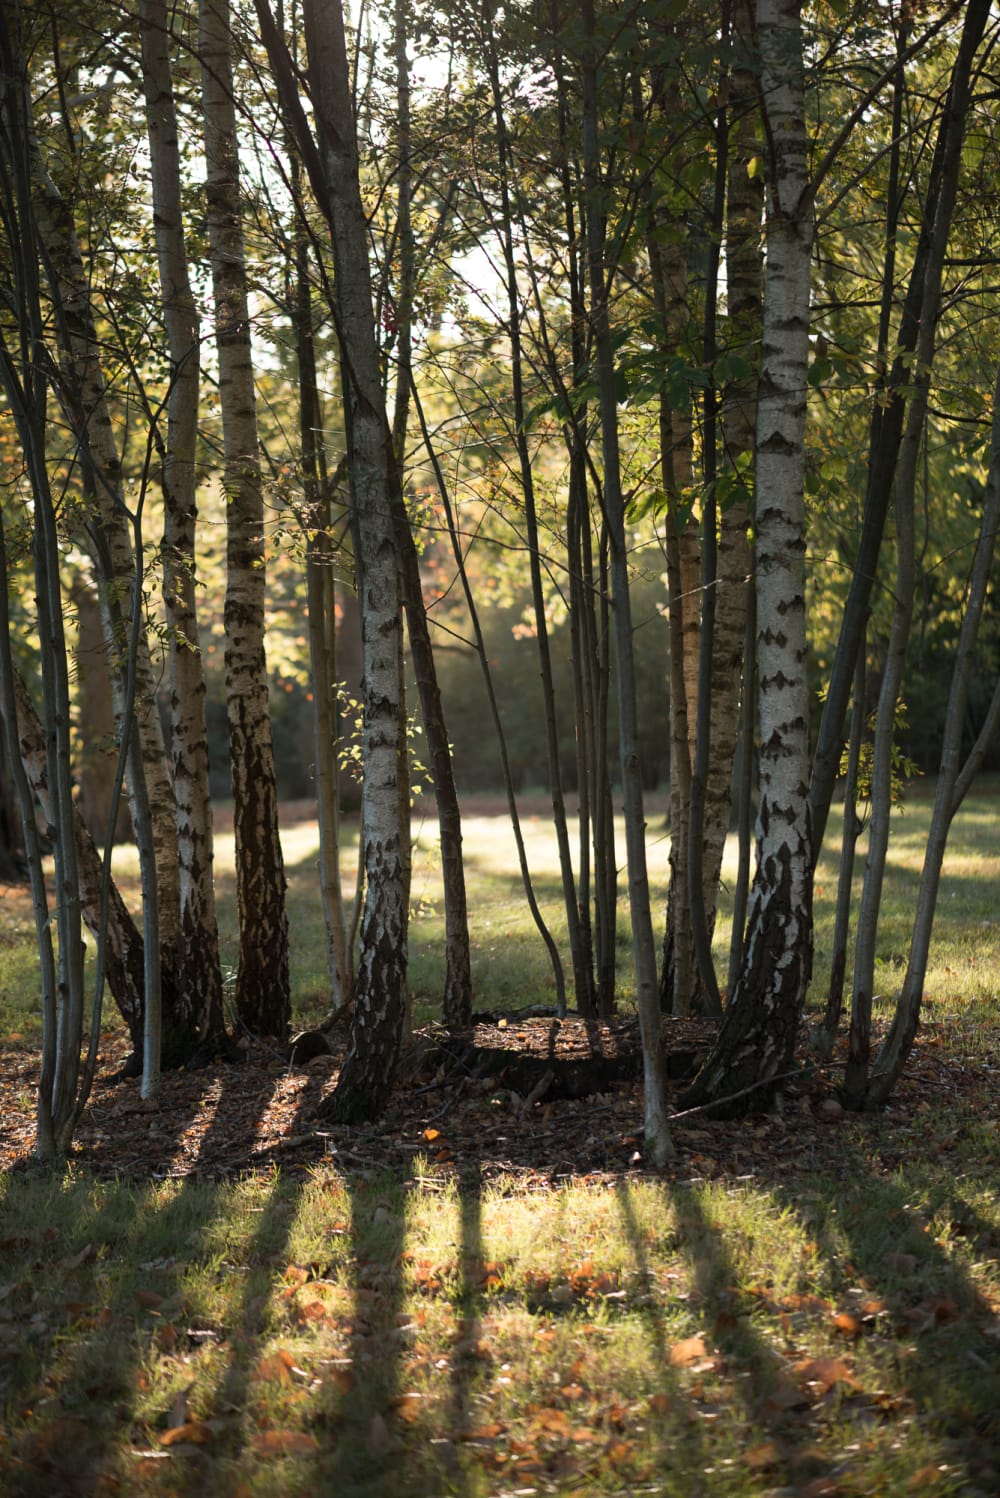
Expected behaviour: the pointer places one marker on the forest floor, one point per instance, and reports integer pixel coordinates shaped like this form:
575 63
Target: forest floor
487 1297
229 1118
489 1294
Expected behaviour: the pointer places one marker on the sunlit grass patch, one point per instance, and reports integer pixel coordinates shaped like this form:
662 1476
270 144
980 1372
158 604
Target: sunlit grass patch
402 1336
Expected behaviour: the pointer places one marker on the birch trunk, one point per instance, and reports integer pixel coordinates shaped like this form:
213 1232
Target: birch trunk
759 1030
732 665
90 418
380 1002
196 1014
262 980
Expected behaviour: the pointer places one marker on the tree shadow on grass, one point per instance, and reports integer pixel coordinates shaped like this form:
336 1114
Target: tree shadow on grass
115 1286
359 1405
908 1304
119 1292
78 1385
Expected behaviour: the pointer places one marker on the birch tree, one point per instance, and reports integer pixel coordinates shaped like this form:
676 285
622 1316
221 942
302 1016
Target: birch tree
759 1030
375 495
262 978
197 974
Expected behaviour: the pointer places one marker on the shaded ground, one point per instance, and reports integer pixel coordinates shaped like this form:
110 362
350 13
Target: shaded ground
228 1118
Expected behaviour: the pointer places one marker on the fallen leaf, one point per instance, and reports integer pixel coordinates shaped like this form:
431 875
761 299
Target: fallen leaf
284 1443
276 1367
313 1310
826 1372
148 1300
806 1303
407 1406
687 1351
482 1432
847 1325
191 1433
761 1458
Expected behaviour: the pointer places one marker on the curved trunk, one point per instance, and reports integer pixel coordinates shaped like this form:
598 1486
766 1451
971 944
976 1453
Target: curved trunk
889 408
953 783
110 542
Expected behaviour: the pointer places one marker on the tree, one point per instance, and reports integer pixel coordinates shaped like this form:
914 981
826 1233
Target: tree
196 1017
262 980
760 1027
375 492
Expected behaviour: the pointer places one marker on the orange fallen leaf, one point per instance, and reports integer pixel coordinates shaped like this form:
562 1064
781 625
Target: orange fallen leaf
430 1134
553 1420
147 1299
760 1458
847 1325
689 1350
276 1368
313 1310
192 1433
284 1443
407 1406
483 1432
620 1451
805 1303
660 1403
826 1372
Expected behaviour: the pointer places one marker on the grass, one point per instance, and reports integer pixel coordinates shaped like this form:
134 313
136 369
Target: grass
510 966
819 1331
422 1335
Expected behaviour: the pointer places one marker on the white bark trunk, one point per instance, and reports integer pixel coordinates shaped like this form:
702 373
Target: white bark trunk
759 1030
262 980
198 977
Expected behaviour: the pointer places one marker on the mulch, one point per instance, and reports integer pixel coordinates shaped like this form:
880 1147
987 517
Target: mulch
444 1118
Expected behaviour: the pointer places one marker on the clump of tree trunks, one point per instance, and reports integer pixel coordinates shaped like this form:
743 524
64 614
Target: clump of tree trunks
283 317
